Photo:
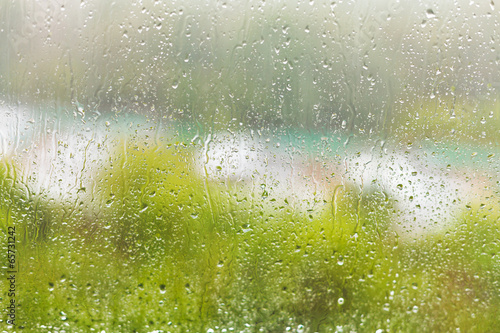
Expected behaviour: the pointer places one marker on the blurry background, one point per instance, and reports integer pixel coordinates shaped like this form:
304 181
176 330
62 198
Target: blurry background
151 129
376 68
415 79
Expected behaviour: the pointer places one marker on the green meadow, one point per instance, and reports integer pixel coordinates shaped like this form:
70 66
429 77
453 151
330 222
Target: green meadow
159 248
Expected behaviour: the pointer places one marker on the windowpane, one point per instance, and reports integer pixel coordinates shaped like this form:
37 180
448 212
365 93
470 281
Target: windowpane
250 166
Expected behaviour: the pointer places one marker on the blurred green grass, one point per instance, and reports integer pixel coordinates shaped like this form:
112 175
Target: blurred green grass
161 248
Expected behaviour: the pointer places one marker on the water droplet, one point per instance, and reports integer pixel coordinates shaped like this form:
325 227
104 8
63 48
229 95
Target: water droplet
340 301
265 194
340 261
163 289
430 13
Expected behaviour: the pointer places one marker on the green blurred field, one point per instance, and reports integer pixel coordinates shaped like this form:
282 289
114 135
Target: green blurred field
170 252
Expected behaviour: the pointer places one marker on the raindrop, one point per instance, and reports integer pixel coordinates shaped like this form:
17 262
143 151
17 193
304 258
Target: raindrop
163 289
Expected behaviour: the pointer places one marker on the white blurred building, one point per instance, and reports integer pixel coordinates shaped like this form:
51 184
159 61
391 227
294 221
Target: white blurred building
427 196
56 158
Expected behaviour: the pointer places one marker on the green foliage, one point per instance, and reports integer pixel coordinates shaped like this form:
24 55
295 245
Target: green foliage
151 200
169 250
449 118
20 207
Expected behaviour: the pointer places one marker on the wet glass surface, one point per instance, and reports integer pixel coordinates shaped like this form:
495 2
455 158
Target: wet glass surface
260 166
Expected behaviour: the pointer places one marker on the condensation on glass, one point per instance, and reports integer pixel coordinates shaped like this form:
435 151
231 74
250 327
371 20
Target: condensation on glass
250 166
